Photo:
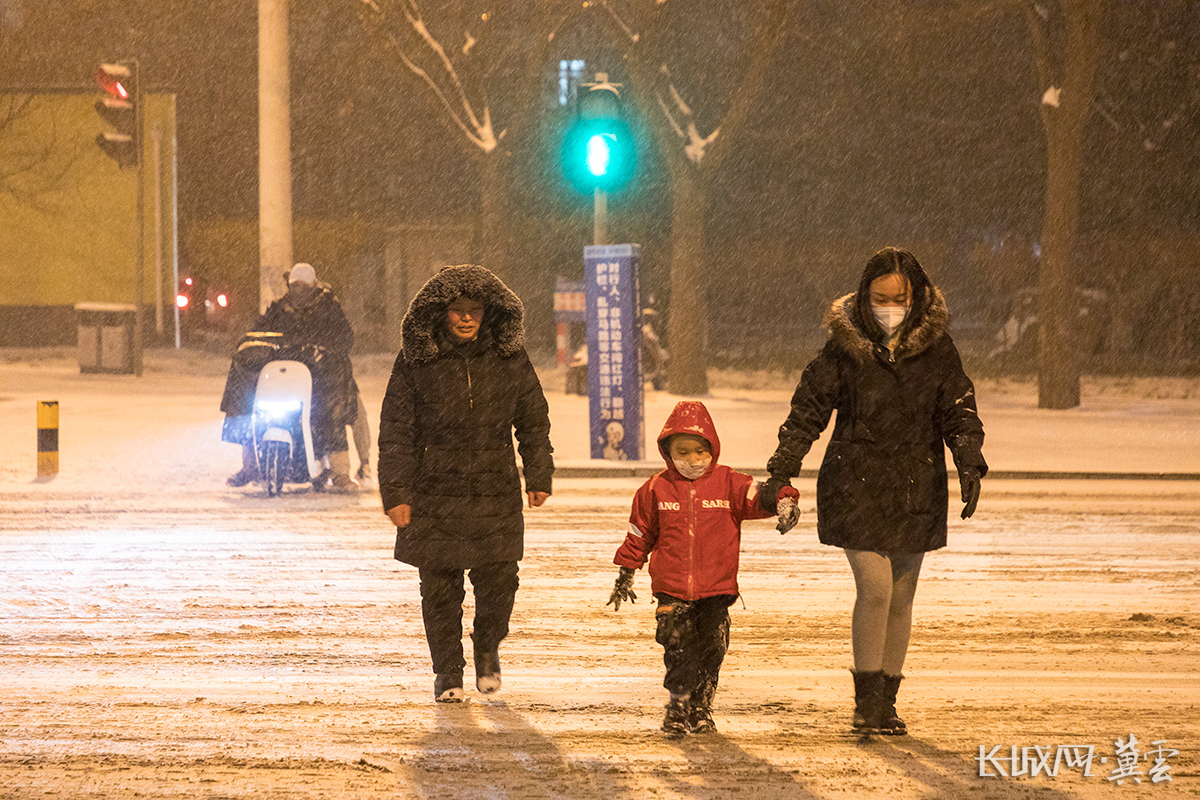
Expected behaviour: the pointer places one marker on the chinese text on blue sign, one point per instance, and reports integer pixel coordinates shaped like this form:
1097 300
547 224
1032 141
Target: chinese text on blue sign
614 340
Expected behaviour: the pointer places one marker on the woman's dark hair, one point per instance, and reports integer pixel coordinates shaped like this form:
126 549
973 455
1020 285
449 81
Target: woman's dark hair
893 261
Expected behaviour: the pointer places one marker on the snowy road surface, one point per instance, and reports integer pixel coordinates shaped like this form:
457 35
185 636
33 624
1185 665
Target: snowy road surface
229 649
164 636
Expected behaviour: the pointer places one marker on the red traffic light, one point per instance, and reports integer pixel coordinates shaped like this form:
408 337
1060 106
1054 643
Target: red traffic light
181 300
110 76
118 107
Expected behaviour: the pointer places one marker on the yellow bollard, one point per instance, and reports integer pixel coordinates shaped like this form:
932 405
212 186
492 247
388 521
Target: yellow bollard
47 438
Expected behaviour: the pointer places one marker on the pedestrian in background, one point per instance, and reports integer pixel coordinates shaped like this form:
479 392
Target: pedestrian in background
896 380
461 385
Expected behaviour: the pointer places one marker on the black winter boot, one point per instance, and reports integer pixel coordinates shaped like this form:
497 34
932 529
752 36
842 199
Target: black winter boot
700 707
868 687
889 723
448 687
675 721
487 670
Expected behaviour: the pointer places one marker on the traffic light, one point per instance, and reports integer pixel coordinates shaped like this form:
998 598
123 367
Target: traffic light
598 152
118 106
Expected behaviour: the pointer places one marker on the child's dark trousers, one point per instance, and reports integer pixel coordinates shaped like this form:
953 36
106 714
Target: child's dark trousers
694 636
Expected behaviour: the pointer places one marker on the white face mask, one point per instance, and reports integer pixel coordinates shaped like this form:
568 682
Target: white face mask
889 317
692 471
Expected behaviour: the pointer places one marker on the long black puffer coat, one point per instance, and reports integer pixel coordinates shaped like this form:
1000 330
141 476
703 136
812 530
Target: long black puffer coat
446 430
882 485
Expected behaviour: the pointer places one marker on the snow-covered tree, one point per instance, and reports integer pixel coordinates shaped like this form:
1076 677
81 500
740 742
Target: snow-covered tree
480 62
695 120
1067 38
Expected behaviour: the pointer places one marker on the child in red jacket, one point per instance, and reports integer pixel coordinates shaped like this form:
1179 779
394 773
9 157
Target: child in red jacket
687 520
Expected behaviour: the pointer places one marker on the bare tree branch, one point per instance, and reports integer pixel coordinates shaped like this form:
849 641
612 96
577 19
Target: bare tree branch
477 127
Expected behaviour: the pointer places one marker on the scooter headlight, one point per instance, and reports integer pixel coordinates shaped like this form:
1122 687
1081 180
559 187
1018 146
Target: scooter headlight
277 408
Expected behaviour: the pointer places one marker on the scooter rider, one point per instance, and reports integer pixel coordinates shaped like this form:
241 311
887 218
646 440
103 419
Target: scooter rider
308 314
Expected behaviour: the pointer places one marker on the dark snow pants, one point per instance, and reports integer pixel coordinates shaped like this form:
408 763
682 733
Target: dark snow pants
694 636
442 593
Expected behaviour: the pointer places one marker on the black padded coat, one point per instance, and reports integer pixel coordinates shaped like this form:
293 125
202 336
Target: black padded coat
446 429
883 484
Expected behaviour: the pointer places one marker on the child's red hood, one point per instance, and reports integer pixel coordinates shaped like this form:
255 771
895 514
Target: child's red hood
689 416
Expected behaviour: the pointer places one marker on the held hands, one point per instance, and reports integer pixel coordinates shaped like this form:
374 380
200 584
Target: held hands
771 492
787 509
622 589
968 480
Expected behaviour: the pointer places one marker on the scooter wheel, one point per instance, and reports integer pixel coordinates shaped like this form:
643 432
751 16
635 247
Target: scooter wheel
278 455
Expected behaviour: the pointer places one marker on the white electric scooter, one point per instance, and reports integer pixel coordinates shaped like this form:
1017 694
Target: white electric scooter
282 435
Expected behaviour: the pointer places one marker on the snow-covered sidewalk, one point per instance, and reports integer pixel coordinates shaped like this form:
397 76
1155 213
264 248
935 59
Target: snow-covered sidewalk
163 429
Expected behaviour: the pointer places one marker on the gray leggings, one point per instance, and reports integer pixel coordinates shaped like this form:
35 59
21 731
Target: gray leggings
885 585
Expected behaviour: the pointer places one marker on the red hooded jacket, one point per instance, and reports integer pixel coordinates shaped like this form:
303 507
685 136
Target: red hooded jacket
690 530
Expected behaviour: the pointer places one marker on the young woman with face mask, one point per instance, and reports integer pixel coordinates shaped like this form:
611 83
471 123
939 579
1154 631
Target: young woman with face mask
895 378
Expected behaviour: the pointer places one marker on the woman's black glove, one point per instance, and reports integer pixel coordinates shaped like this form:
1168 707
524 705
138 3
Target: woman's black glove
622 590
968 481
768 494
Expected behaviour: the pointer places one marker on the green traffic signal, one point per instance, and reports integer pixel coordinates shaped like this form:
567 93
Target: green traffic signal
599 154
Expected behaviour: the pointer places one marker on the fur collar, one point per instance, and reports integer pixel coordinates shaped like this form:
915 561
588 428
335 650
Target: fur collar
846 328
503 326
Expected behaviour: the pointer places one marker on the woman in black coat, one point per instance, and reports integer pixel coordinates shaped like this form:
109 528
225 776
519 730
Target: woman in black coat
895 378
461 385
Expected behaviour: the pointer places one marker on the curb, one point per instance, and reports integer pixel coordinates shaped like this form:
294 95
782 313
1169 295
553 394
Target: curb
647 469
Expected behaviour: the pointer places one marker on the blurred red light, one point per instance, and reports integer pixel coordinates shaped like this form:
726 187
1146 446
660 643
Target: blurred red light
109 77
222 300
181 300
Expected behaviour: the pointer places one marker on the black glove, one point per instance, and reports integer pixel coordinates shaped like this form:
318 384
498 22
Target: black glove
968 481
768 494
622 589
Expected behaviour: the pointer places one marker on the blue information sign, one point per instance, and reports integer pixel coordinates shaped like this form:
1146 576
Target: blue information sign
614 342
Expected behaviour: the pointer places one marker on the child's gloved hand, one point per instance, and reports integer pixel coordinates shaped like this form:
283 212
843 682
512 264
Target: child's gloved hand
787 509
622 589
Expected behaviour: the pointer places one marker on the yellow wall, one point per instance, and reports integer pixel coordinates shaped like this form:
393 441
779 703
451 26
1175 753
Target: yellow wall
68 229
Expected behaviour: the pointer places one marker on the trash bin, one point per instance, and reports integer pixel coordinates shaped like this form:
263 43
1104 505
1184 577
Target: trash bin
106 337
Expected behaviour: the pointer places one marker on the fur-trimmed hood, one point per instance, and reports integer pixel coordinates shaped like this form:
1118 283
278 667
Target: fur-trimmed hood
928 324
503 326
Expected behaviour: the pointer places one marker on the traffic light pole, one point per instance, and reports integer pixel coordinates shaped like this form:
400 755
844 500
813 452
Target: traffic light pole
139 330
600 216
